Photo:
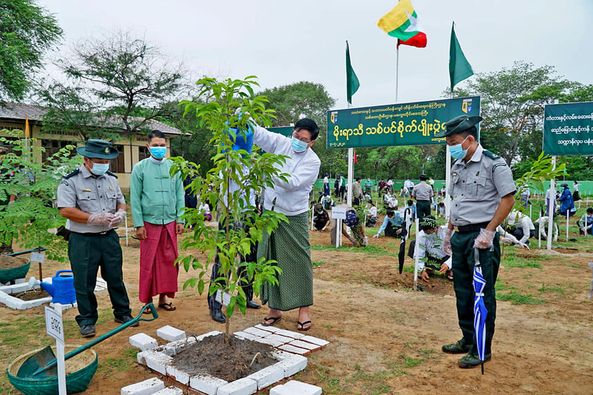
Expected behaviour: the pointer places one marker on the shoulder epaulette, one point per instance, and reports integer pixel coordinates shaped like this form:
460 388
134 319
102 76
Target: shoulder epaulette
111 174
491 155
74 173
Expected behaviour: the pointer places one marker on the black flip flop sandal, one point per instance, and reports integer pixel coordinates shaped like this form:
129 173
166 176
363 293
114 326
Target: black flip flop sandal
274 320
167 306
301 326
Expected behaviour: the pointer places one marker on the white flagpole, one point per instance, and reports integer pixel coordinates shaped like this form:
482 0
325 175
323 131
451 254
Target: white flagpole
397 71
551 204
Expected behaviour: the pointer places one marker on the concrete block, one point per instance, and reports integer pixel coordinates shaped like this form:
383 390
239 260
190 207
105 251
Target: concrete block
170 391
267 376
206 384
179 375
271 329
293 365
294 335
256 332
143 342
294 350
281 355
140 358
246 336
242 386
172 348
205 335
274 340
315 340
146 387
170 333
294 387
157 361
305 345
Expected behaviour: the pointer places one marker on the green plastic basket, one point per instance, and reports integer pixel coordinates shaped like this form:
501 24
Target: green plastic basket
76 381
13 273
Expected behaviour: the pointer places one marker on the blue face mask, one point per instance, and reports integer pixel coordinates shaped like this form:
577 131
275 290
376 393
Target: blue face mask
158 152
298 145
100 168
457 151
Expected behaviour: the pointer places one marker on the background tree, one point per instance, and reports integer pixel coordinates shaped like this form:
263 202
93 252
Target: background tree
117 83
27 31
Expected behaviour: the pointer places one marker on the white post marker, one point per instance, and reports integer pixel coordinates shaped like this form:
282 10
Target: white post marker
416 256
530 211
551 204
447 182
126 225
55 328
567 223
339 214
539 230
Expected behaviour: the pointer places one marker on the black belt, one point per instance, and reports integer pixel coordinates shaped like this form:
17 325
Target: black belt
472 227
95 234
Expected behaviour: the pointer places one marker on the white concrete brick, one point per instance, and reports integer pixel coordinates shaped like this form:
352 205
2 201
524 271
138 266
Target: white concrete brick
281 355
294 387
146 387
170 391
272 329
294 350
242 386
179 375
293 365
246 336
170 333
140 358
172 348
256 332
315 340
294 335
205 335
143 342
274 340
267 376
305 345
157 361
206 384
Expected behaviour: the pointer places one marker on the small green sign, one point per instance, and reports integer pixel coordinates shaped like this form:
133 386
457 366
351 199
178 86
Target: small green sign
568 129
396 124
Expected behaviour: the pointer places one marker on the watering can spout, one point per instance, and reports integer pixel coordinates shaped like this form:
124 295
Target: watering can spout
47 287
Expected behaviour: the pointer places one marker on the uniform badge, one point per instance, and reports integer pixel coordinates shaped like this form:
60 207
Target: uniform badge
106 150
87 190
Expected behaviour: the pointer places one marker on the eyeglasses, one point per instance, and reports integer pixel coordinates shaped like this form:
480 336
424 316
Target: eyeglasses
303 139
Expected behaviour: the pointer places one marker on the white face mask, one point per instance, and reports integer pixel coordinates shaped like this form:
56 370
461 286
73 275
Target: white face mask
298 145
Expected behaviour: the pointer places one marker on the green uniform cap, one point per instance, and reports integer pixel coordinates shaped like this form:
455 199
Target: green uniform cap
100 149
460 124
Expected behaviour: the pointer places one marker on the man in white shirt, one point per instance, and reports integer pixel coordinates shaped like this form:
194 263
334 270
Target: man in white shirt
522 226
428 249
289 243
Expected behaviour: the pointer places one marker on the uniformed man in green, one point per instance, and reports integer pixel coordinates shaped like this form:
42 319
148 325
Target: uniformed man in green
482 195
92 201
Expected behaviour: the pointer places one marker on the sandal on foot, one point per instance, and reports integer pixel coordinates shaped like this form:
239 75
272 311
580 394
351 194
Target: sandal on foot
270 321
167 306
304 326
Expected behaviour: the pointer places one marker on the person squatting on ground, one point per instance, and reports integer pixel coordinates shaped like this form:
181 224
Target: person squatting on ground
428 249
289 243
585 224
242 141
423 194
354 221
320 217
392 224
91 200
541 227
158 201
482 192
371 217
521 226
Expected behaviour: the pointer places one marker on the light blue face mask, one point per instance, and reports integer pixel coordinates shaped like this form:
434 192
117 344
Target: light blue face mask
457 151
158 152
298 145
100 168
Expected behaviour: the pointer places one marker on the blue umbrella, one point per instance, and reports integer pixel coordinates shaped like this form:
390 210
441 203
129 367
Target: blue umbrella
480 312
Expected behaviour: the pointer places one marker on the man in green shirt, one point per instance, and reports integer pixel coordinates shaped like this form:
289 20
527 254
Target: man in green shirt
158 200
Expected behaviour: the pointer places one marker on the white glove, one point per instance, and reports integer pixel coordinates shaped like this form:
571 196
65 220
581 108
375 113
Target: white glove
376 236
118 218
100 219
523 245
447 242
484 239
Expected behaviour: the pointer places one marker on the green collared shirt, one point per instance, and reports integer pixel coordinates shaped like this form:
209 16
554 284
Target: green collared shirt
156 196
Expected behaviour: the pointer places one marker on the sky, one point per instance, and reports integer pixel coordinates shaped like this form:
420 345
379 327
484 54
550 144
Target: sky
283 42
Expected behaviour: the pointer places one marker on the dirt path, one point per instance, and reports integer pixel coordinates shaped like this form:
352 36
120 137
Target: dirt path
385 338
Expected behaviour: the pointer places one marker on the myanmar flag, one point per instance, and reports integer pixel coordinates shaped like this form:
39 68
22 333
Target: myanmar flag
401 22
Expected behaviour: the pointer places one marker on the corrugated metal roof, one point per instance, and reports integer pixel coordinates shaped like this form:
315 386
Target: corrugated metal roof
34 112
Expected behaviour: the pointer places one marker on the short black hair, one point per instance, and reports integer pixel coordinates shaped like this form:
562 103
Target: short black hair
473 131
410 202
155 133
423 177
389 212
590 210
309 125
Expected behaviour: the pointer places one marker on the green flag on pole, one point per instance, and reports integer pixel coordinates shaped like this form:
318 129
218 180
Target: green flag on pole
459 67
352 83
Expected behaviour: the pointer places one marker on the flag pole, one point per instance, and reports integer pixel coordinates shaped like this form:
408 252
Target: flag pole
397 71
